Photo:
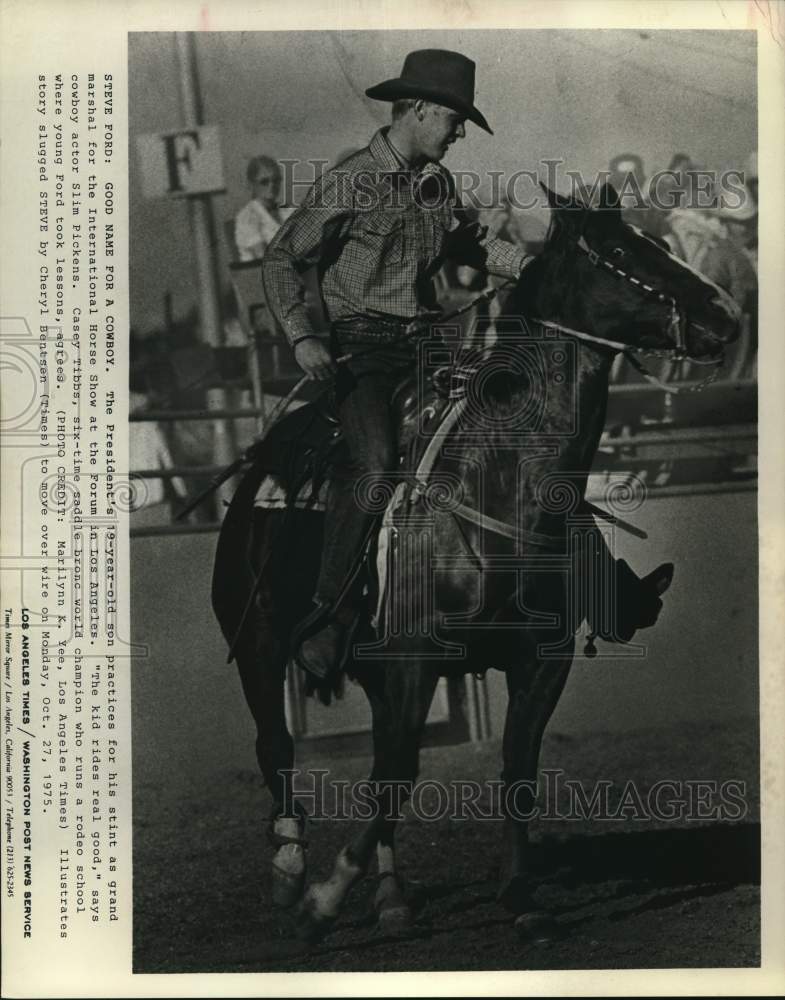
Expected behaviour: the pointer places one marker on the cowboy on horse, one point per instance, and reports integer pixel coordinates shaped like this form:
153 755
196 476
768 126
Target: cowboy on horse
523 433
378 227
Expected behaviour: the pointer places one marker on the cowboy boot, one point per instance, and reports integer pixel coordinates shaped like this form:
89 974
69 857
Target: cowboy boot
640 598
638 601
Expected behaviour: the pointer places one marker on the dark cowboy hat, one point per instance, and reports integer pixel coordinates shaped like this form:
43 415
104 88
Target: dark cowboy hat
436 75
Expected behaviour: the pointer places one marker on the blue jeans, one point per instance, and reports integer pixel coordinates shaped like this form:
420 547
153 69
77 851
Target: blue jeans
363 393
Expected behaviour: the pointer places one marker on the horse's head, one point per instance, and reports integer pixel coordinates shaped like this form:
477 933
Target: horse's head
605 277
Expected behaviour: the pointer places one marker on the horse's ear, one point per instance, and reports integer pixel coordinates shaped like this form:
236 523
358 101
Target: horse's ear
609 198
556 200
569 213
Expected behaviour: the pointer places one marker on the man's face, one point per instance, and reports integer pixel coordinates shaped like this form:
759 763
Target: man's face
439 128
266 187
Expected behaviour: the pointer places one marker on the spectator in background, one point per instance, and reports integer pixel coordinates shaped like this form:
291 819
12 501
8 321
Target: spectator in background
751 183
675 181
691 234
734 263
692 229
667 190
628 178
721 242
261 218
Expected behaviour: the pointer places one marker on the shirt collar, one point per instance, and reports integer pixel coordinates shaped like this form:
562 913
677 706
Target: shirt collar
384 154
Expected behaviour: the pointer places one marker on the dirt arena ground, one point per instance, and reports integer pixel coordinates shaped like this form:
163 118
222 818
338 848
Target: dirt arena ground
628 893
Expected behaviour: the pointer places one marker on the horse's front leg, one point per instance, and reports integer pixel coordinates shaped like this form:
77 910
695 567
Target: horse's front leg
399 715
533 691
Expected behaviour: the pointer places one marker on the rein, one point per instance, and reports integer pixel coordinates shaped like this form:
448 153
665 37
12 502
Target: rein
458 401
283 405
417 327
637 365
677 330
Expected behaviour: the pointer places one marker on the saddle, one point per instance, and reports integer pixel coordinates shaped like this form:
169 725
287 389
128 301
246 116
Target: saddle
290 471
299 451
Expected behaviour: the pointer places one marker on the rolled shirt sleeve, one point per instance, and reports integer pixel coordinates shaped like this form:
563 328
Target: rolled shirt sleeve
502 258
471 244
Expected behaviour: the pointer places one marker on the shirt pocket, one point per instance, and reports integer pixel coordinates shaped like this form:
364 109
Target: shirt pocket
382 234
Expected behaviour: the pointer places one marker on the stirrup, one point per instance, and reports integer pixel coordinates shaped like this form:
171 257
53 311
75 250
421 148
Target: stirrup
313 622
344 650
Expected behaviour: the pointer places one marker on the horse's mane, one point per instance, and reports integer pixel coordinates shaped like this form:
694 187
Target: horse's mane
546 281
541 292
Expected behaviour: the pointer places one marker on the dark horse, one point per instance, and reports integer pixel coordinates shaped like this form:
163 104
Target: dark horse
490 543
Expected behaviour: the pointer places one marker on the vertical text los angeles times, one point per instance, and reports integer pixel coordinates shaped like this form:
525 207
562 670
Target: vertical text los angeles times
65 762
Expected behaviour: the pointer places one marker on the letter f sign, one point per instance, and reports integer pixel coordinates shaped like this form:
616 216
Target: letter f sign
179 148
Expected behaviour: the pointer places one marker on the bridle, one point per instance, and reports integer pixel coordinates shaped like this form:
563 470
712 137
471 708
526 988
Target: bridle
677 326
461 375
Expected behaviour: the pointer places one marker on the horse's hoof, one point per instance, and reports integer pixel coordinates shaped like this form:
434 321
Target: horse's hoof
396 921
313 923
288 887
323 901
537 927
394 913
515 895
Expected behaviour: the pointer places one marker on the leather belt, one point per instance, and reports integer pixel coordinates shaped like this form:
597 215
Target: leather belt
381 329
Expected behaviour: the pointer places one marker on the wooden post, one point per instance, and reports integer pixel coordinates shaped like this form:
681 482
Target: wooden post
203 232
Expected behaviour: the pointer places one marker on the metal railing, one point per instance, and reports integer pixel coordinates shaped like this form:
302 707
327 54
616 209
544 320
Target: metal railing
663 438
624 451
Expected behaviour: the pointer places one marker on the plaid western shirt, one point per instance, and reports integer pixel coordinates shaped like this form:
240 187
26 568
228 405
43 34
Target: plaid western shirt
378 232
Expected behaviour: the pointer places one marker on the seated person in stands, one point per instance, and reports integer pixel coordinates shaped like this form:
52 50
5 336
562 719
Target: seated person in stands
261 218
627 176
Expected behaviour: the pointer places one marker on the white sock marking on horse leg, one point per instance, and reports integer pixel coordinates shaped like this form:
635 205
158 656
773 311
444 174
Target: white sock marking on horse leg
391 906
385 857
330 894
289 858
